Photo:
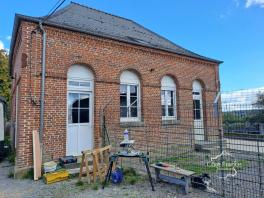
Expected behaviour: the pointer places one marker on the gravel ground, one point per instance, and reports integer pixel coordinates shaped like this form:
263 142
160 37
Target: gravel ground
12 188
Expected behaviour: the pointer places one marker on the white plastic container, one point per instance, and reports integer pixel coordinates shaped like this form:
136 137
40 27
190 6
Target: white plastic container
50 166
126 137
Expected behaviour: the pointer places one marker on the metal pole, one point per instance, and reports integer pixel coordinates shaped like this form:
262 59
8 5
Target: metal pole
259 169
43 75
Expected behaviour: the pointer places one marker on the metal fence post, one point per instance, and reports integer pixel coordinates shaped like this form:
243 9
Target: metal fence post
221 161
217 114
259 169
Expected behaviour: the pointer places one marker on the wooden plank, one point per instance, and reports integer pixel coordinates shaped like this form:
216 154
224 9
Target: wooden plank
81 167
172 180
37 160
74 171
174 169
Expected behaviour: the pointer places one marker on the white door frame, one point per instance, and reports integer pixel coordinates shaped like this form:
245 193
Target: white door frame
198 123
91 118
84 90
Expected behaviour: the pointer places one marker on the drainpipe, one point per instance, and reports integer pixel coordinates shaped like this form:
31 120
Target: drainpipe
43 75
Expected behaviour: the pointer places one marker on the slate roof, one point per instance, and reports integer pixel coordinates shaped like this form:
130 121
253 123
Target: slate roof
80 18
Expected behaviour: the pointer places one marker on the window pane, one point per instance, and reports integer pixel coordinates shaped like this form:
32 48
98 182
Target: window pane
123 101
84 101
133 111
163 111
171 111
73 83
84 84
73 101
168 98
73 116
84 115
123 90
133 101
133 90
123 112
196 104
196 93
162 97
172 98
197 114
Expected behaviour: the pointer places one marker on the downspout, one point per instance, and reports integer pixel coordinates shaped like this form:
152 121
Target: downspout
43 76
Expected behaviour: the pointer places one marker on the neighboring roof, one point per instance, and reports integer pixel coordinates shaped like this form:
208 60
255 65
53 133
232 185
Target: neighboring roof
80 18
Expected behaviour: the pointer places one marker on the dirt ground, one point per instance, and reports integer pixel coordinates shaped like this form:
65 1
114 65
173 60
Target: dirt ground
13 188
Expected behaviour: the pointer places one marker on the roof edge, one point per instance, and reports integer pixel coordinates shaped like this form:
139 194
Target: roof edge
20 17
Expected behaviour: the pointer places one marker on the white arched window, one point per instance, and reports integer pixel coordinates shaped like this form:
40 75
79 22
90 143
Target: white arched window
197 100
129 97
168 98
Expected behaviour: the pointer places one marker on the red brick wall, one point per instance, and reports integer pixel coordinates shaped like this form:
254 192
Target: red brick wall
107 59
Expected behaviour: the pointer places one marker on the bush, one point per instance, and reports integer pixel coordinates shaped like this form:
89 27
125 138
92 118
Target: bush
11 157
130 175
29 174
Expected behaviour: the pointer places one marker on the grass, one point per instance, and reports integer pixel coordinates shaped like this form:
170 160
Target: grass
95 186
79 183
130 176
85 185
197 163
244 135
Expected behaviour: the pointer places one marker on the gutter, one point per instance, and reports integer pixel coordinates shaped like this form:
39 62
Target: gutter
43 78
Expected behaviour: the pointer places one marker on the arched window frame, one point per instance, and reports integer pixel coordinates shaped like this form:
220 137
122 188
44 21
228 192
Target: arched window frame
197 100
79 82
80 78
168 98
130 111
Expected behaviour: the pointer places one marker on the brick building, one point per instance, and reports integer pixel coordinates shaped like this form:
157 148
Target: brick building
92 59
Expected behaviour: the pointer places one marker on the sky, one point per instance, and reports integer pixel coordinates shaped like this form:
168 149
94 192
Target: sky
227 30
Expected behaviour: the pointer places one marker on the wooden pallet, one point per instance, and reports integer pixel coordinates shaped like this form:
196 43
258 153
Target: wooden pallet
99 159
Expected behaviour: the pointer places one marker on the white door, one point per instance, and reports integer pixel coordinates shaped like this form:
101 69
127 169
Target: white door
79 132
198 111
79 110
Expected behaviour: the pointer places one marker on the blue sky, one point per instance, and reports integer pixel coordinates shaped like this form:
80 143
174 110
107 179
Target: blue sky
228 30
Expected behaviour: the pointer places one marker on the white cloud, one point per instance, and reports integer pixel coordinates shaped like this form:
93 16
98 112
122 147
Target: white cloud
8 38
250 3
242 99
2 45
